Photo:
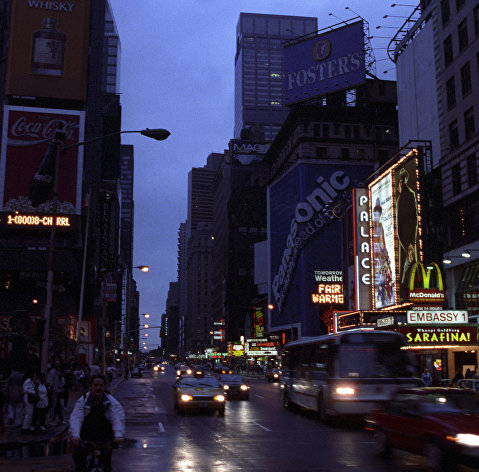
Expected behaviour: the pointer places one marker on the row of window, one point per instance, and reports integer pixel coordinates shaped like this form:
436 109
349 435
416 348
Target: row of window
462 37
347 154
466 84
472 178
469 128
325 130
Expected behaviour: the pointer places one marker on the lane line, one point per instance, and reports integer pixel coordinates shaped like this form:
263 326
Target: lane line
161 429
259 396
261 426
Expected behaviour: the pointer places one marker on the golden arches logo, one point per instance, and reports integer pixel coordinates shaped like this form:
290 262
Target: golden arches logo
321 50
426 276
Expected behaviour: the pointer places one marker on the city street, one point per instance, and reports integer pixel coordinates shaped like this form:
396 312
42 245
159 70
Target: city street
258 435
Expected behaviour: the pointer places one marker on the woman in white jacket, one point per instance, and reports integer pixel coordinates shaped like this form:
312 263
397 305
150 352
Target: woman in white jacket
96 417
29 391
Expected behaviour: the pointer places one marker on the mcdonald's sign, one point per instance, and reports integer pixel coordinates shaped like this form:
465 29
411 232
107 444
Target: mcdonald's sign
425 294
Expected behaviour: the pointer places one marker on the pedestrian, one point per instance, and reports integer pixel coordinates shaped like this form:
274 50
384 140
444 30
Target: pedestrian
426 377
458 376
41 406
96 417
79 375
30 398
14 390
95 369
468 374
55 382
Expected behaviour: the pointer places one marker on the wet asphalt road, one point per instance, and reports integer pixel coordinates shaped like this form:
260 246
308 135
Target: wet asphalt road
253 436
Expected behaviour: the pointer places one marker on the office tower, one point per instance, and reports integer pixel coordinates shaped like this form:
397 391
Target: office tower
259 96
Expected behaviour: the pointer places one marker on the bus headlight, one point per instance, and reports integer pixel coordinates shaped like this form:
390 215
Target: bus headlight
345 391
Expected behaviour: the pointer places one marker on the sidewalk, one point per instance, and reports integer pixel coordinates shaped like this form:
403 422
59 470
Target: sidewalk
11 437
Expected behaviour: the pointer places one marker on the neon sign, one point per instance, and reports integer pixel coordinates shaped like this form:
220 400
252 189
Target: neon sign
37 220
329 294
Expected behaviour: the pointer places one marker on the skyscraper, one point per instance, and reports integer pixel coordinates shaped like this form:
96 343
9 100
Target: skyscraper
259 95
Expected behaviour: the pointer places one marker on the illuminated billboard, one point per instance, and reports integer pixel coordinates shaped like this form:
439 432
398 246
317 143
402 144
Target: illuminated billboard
48 49
325 63
26 136
305 208
382 237
362 256
395 231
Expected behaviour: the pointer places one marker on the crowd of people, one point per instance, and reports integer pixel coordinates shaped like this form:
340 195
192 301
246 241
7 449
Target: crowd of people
35 401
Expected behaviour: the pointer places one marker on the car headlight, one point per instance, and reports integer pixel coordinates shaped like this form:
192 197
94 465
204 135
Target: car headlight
162 367
188 371
178 373
345 391
186 398
226 387
465 439
219 398
275 376
244 387
155 368
198 372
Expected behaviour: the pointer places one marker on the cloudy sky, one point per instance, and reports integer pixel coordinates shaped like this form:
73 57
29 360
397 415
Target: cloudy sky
177 72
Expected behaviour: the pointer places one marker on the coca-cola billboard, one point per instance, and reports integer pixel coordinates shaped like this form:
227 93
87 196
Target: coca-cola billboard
27 134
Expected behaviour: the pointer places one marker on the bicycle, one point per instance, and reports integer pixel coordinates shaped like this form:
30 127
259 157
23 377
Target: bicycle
98 458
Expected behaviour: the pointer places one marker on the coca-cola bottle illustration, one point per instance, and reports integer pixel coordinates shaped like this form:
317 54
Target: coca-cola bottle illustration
42 181
48 49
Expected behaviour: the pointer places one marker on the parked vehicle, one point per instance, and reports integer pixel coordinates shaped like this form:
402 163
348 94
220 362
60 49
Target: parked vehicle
472 384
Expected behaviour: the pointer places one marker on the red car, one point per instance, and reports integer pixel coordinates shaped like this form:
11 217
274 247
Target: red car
439 423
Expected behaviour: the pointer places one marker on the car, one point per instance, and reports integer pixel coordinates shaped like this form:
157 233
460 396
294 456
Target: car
222 369
273 375
439 423
472 384
234 386
192 393
183 370
136 372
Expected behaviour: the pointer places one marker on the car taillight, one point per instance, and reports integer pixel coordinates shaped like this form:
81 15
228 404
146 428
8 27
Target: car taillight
345 391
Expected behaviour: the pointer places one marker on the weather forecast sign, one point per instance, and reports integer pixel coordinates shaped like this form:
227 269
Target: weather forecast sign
324 63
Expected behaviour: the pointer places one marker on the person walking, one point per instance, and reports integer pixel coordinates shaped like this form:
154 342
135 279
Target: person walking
426 377
458 376
14 389
30 398
40 412
56 384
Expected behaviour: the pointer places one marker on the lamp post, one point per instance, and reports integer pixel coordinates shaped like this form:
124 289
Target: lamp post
158 134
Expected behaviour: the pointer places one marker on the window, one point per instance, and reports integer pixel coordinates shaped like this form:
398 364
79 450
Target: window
347 131
460 4
453 135
325 130
476 20
469 123
466 79
445 12
359 153
462 34
344 153
356 133
337 126
451 92
448 55
456 179
472 170
317 129
321 153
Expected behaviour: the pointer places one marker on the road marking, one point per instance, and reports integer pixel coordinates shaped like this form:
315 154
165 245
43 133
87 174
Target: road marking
259 396
161 429
261 426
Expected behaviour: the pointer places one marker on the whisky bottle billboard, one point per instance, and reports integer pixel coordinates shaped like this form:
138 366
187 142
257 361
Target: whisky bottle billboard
48 49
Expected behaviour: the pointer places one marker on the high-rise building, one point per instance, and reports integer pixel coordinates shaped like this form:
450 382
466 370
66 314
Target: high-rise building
259 91
74 87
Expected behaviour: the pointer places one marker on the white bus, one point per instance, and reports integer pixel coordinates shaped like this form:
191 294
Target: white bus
347 373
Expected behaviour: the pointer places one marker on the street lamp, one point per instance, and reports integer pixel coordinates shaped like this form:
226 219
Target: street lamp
56 148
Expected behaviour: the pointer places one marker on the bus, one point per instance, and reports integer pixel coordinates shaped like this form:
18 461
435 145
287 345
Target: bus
347 373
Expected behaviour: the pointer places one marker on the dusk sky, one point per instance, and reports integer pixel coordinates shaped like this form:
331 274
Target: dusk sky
177 72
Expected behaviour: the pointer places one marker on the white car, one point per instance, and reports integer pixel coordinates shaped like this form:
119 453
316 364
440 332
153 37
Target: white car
470 384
